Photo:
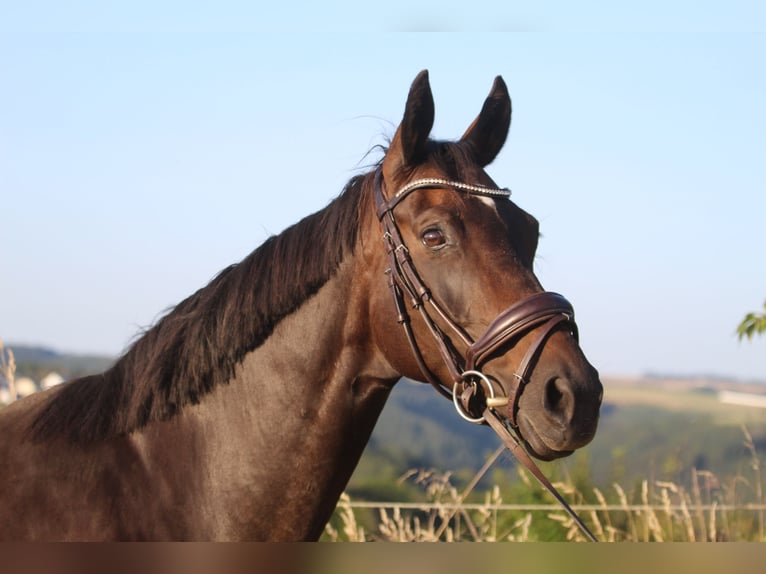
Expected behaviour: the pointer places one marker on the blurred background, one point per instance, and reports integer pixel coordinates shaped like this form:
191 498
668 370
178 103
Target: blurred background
143 148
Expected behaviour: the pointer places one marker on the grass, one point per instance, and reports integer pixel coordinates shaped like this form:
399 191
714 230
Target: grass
708 509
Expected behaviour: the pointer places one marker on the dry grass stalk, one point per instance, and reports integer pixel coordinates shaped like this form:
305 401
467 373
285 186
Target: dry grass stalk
698 504
628 513
477 477
755 464
712 524
446 519
351 530
606 533
8 369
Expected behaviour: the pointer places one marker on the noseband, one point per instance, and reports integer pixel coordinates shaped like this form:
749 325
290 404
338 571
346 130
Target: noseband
545 311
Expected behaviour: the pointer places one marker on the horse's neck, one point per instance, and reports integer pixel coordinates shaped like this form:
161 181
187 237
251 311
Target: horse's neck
282 438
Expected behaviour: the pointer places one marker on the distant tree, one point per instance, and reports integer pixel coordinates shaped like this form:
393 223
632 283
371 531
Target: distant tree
752 324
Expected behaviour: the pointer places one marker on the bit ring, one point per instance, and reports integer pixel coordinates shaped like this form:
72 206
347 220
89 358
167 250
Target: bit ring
492 400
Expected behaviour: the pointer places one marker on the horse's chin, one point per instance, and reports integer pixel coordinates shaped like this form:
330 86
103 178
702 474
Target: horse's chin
537 444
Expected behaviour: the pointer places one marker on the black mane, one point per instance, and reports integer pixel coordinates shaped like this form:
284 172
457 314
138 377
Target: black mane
200 342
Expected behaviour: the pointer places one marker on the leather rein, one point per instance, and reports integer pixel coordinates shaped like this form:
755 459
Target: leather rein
473 393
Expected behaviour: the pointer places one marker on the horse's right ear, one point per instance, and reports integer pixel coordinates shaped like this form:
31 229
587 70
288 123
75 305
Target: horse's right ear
409 144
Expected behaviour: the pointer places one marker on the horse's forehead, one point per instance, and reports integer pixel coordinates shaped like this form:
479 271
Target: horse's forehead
453 166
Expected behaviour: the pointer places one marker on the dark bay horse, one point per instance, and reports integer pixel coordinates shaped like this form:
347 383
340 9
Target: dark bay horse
242 413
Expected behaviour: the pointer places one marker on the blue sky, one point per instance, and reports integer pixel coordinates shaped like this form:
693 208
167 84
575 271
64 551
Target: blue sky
143 149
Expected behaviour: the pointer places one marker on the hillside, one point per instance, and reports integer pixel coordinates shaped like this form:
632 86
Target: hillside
650 429
35 362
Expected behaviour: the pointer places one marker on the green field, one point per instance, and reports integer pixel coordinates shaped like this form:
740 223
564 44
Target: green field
650 429
670 462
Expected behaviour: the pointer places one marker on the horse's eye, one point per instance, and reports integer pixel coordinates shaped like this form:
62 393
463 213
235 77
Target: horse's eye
433 238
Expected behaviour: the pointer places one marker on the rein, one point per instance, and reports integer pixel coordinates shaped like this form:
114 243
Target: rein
546 311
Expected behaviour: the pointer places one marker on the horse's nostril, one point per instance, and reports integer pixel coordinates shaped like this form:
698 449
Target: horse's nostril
553 395
558 399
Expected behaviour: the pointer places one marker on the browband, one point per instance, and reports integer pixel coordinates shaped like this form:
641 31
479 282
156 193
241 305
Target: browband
473 189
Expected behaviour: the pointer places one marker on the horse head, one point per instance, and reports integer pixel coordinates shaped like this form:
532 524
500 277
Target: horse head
459 259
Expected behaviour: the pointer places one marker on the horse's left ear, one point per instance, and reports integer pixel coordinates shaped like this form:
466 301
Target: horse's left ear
486 135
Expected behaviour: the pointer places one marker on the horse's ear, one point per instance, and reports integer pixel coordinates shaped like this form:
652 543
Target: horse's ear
409 144
486 135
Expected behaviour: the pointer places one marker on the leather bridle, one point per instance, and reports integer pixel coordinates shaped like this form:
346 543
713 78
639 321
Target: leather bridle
546 309
473 393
